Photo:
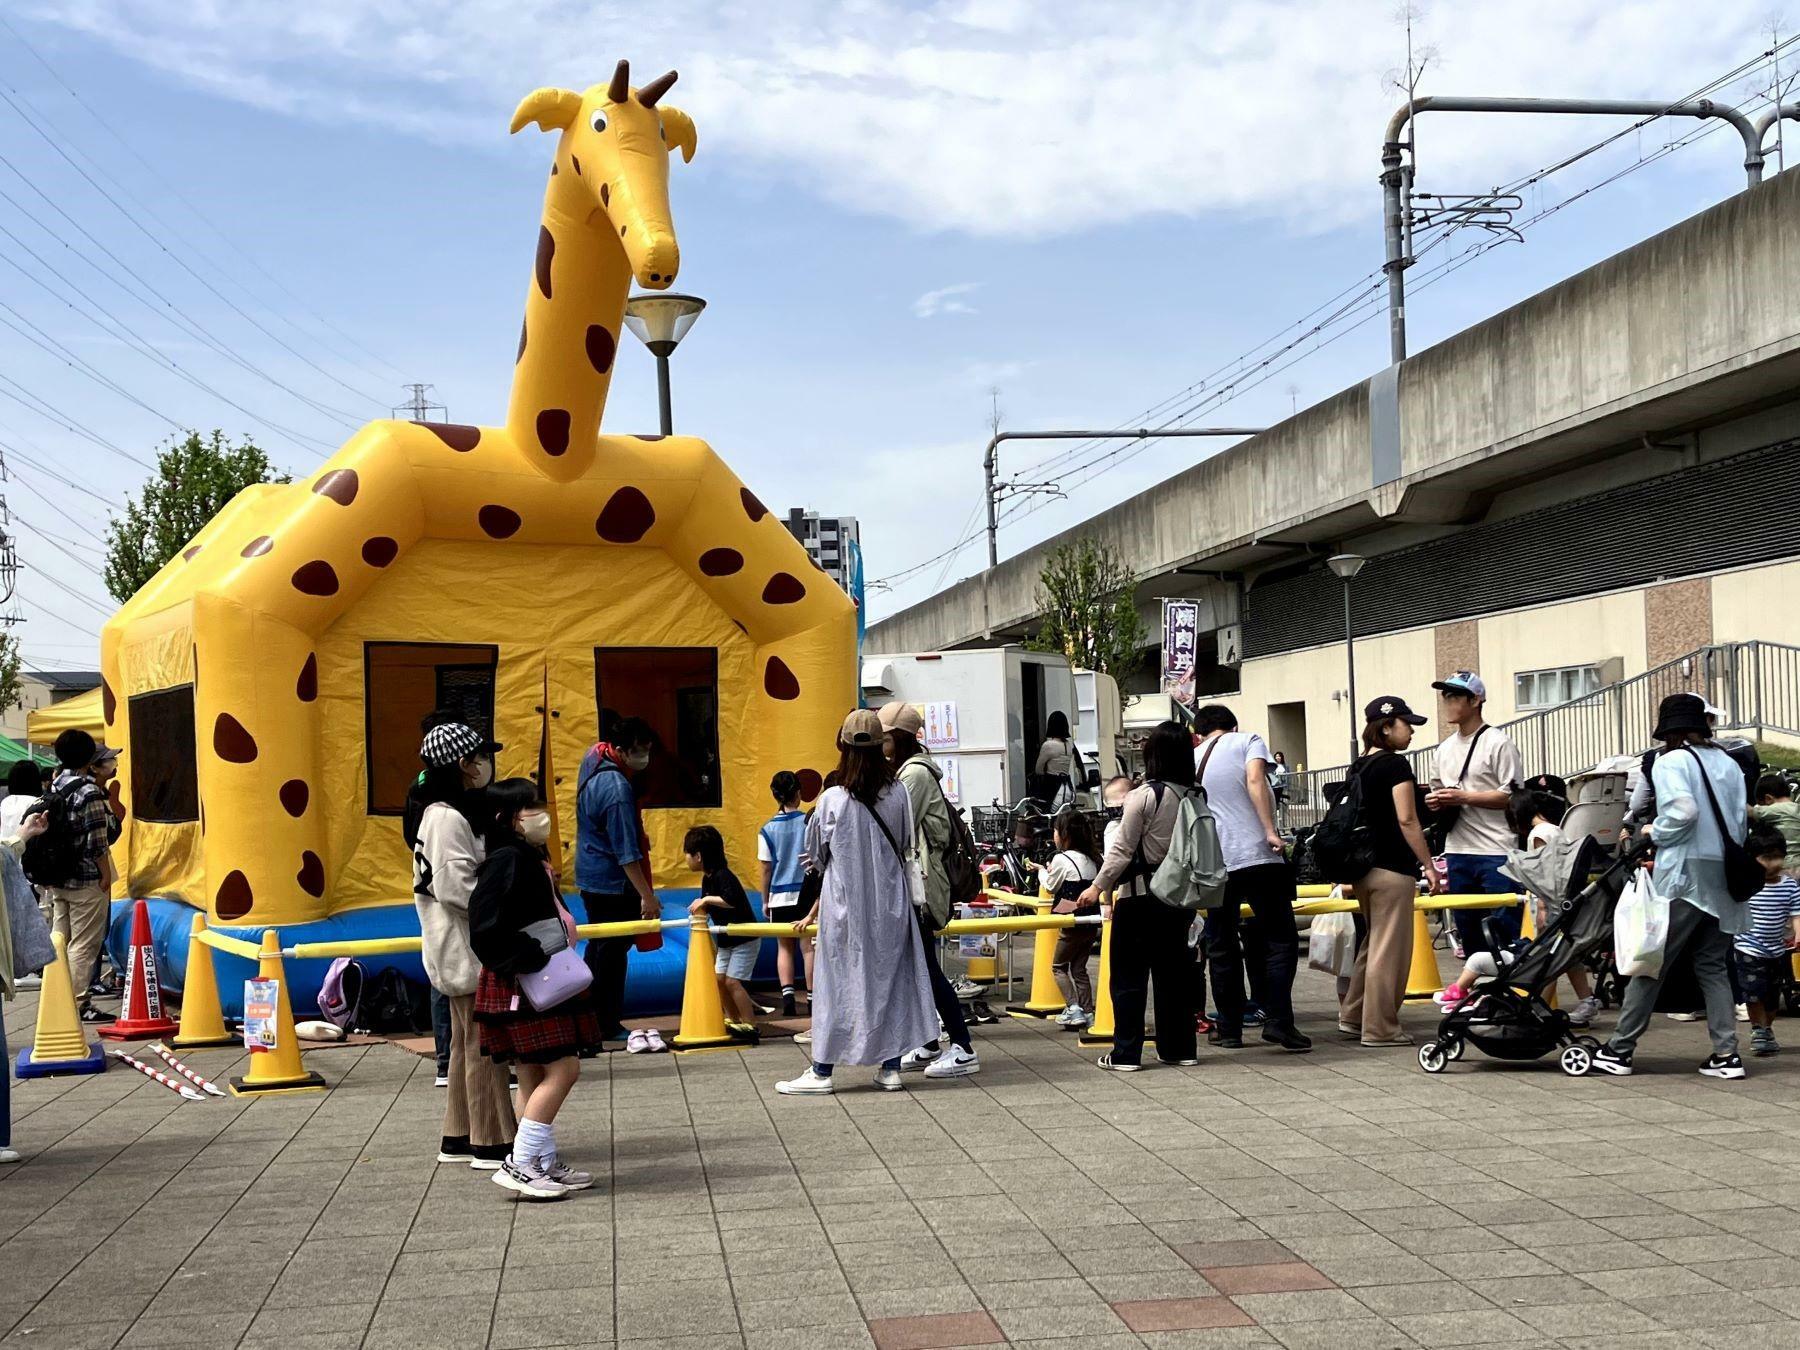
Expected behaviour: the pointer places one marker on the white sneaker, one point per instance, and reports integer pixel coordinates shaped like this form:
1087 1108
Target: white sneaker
1584 1012
1743 1013
9 1155
955 1062
637 1043
1067 1015
964 987
889 1080
914 1060
808 1084
567 1177
803 1038
1081 1021
1684 1016
529 1181
653 1042
443 1080
29 982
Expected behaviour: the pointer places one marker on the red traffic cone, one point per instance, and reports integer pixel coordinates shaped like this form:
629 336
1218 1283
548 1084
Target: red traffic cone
141 1017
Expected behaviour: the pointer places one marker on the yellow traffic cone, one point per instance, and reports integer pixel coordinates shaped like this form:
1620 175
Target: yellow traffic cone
59 1045
202 1021
1423 980
279 1069
1528 931
1045 998
702 1014
1100 1030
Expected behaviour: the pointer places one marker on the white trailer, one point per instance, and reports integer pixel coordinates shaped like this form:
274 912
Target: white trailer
1098 728
985 712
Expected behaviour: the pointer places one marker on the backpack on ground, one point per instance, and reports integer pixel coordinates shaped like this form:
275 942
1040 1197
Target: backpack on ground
1192 873
1343 845
386 1003
54 857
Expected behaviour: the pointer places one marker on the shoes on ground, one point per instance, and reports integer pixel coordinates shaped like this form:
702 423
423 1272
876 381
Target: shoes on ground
915 1060
964 987
1684 1016
638 1043
1743 1013
1763 1042
803 1037
529 1181
29 982
1584 1012
567 1177
1290 1039
95 1017
1615 1062
1345 1029
981 1014
442 1080
488 1157
1401 1038
1107 1062
1254 1016
455 1150
889 1080
741 1031
808 1084
955 1062
1177 1063
9 1155
1723 1066
653 1039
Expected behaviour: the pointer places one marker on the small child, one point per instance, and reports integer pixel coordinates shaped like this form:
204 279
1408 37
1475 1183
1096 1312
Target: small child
1761 952
1774 810
779 846
722 900
1064 878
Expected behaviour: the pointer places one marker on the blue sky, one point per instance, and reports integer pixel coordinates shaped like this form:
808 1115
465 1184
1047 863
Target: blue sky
894 208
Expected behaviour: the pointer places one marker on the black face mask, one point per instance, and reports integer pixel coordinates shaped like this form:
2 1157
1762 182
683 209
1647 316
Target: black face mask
1115 813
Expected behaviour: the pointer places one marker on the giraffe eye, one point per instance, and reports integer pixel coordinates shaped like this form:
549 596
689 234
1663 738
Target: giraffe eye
599 120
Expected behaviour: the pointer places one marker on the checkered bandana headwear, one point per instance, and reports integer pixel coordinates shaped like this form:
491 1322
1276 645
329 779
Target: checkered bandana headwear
450 743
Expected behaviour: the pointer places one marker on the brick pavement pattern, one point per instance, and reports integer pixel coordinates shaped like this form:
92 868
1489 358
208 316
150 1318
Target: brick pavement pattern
1334 1201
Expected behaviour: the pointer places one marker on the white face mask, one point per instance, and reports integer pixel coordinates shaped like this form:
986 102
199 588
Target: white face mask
484 773
534 827
637 760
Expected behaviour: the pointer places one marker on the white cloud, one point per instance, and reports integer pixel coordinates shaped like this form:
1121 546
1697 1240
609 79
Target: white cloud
946 300
991 117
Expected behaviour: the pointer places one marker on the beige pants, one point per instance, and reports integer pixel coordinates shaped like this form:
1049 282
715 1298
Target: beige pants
479 1106
1378 985
80 915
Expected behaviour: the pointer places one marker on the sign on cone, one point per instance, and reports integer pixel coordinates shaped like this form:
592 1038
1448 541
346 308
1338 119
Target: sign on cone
142 1016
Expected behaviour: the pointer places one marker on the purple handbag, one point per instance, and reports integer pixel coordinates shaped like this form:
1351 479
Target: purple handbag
561 979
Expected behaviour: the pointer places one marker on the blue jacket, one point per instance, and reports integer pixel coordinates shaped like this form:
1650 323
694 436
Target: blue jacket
606 828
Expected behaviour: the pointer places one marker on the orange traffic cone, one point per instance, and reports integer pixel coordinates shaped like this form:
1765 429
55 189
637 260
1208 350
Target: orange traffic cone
274 1068
1423 980
141 1018
202 1019
702 1015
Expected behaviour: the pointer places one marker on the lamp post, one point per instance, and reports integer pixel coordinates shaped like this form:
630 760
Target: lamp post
660 322
1346 566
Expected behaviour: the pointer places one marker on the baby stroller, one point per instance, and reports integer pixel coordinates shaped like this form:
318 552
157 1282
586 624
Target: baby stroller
1508 1016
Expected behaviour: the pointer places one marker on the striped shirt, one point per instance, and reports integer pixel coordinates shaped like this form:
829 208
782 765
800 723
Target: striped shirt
1771 912
780 843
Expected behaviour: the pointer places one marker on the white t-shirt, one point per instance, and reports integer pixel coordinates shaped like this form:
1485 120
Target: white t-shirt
1542 833
1495 765
1228 795
1066 867
12 810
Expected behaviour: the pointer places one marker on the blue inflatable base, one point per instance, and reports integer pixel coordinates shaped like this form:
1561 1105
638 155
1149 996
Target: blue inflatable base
95 1062
653 980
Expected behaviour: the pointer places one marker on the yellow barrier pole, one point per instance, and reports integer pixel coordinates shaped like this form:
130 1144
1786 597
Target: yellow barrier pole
1423 980
702 1014
1045 997
1100 1030
202 1020
278 1070
59 1045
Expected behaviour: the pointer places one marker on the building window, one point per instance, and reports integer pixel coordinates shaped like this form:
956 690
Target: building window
675 690
1548 688
165 783
405 681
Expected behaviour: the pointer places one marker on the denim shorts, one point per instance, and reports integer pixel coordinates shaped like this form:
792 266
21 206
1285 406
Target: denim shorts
1760 979
738 962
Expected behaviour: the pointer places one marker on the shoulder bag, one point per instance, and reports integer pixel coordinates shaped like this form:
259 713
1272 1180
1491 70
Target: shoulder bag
1743 874
1443 820
910 866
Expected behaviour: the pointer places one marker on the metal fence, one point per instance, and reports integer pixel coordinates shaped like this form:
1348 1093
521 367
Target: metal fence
1755 684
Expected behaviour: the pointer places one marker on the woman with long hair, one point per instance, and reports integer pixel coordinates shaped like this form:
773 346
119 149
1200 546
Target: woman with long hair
1370 1009
871 994
1054 773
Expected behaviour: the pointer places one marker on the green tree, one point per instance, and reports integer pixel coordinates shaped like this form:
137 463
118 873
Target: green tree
9 672
194 478
1086 610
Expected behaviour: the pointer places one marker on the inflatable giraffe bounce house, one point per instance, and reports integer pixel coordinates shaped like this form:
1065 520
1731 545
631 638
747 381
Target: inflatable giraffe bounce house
539 578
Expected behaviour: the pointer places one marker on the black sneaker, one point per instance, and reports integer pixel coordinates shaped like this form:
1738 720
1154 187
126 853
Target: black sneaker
1723 1066
984 1015
1763 1042
1288 1038
94 1016
455 1149
1615 1062
787 1003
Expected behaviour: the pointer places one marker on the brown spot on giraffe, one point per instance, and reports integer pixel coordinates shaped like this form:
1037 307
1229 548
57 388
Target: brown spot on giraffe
521 356
258 546
553 168
783 589
646 437
316 578
380 551
546 251
779 681
115 796
721 562
753 506
575 164
626 517
605 195
339 485
811 784
187 554
600 347
294 796
500 522
109 701
234 898
553 430
231 741
306 688
311 875
456 435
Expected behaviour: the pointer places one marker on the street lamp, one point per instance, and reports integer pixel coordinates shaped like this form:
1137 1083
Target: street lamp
1346 566
660 322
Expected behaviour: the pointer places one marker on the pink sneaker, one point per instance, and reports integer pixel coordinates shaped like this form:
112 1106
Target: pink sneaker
1450 999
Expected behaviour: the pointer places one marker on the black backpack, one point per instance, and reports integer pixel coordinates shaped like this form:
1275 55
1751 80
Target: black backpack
1343 845
54 857
384 1004
962 865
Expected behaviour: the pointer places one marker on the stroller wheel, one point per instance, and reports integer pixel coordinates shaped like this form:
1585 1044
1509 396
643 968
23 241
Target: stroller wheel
1432 1058
1454 1048
1589 1042
1577 1060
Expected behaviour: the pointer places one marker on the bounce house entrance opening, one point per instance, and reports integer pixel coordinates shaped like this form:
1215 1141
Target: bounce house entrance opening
676 691
405 682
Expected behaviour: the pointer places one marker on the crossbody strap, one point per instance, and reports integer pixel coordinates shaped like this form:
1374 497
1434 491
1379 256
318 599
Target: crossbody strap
1725 834
886 833
1469 758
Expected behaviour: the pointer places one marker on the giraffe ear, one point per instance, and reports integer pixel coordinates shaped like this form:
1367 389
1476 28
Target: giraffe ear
551 109
678 131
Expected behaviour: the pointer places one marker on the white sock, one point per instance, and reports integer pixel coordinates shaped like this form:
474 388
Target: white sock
532 1142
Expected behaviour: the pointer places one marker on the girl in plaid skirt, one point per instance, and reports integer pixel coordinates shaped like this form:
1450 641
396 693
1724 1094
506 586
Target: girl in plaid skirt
513 891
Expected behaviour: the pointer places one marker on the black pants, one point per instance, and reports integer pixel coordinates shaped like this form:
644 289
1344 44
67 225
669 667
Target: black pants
1270 946
949 1011
1150 942
606 956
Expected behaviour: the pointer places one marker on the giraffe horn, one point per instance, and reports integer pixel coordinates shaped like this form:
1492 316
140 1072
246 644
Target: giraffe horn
620 88
655 89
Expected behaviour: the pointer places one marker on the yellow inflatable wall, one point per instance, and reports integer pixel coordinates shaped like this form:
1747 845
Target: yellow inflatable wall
525 554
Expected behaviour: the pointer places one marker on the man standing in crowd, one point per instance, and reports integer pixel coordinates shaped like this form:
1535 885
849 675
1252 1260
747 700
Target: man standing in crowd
612 859
80 901
1477 768
1233 768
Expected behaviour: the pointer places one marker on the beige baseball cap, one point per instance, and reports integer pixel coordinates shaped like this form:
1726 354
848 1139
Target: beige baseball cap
902 716
862 727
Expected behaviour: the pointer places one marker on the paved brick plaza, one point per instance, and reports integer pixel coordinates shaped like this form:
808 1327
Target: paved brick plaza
1341 1199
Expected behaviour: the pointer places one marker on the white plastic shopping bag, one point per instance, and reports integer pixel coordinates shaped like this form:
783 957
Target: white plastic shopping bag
1331 944
1640 927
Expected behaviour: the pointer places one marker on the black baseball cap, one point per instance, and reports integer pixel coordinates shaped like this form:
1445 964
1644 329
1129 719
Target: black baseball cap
1391 705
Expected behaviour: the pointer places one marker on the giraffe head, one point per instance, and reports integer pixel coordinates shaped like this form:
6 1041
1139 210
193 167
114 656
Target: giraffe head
616 142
